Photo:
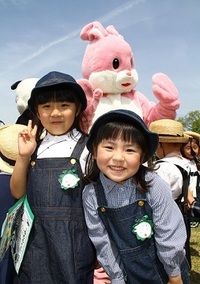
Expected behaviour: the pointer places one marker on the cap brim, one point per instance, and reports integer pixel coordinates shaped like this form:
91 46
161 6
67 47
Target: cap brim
152 138
75 86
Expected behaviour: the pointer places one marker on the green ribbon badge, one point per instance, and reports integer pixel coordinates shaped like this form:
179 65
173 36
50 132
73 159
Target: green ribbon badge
68 179
143 229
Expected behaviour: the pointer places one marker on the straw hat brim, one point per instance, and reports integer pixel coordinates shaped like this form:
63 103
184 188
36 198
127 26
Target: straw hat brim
174 139
9 145
169 131
5 167
194 135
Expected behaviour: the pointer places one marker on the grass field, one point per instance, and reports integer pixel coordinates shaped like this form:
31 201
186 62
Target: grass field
195 253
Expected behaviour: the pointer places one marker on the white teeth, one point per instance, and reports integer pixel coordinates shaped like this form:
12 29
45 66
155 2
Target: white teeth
116 168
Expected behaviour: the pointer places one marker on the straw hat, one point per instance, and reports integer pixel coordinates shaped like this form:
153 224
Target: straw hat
169 131
9 146
194 135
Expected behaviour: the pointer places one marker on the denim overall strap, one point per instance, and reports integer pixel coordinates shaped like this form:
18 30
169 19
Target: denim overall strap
139 257
76 152
79 147
34 155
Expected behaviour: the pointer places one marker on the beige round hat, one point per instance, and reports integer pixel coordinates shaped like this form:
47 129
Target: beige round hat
9 146
194 135
169 131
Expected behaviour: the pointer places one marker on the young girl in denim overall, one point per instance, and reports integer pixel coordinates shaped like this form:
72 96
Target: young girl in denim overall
133 222
49 169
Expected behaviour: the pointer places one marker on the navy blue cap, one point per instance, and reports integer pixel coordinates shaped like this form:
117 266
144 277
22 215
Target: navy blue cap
53 79
131 118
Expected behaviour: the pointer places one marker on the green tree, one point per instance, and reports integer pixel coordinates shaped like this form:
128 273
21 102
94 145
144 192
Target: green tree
191 121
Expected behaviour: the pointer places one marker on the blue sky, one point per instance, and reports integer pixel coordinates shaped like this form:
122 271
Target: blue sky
38 36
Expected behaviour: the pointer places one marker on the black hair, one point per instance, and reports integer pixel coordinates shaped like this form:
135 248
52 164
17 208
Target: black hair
25 117
59 94
194 155
113 130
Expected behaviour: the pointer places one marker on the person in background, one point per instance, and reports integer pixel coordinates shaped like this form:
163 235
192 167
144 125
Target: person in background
171 139
49 170
191 152
135 225
173 167
8 156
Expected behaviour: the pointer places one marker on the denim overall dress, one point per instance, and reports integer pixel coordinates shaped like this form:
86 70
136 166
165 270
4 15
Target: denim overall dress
139 257
7 270
59 249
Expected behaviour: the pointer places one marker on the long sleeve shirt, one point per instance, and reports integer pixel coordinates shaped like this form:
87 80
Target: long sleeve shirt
169 228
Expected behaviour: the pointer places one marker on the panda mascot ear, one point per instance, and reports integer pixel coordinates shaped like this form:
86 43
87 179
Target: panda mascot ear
23 90
14 86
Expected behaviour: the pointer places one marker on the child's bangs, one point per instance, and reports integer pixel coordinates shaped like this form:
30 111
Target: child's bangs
115 130
126 132
57 95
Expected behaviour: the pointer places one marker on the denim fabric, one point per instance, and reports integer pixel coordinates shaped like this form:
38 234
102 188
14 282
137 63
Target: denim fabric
139 258
59 249
7 270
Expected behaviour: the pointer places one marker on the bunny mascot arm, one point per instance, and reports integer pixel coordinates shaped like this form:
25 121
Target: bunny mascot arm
108 68
93 98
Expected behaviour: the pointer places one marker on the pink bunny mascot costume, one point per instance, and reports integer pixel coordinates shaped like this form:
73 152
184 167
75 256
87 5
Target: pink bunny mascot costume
109 78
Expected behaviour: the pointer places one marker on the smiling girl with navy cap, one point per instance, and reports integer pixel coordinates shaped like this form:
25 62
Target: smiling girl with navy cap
133 222
49 169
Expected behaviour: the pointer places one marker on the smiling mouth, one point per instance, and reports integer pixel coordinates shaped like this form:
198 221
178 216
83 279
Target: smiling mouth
56 122
116 168
126 84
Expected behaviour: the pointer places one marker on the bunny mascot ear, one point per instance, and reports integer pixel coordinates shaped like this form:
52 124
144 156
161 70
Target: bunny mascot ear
93 31
111 30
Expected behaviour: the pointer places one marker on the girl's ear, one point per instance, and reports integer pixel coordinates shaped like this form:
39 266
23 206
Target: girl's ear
94 153
78 111
142 159
37 113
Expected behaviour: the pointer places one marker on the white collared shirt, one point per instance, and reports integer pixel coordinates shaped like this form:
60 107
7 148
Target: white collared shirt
61 146
171 174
